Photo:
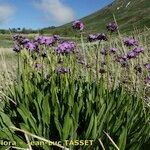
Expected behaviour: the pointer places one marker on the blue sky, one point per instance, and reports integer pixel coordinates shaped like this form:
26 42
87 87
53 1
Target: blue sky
43 13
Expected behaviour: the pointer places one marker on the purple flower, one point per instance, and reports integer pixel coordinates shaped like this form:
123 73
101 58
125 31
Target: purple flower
138 50
25 41
30 46
50 41
78 25
147 66
112 26
45 40
92 38
147 80
20 40
16 49
62 70
122 59
113 50
132 54
17 37
66 47
98 36
131 42
38 66
102 36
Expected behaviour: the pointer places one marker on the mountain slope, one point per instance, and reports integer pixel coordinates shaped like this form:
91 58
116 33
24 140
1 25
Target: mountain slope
128 13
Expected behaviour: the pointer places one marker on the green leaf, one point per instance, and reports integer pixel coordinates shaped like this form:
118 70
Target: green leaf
89 129
66 126
122 139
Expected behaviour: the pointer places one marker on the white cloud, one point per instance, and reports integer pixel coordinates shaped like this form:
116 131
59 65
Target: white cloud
6 12
56 10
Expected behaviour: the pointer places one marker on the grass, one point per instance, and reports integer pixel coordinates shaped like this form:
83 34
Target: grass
104 103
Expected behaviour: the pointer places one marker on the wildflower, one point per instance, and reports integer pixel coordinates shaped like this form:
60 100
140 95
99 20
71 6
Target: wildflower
131 42
16 49
147 80
92 38
66 47
38 66
78 25
49 41
20 40
17 37
147 66
132 54
113 50
112 26
122 59
102 36
138 49
30 46
25 41
62 70
45 40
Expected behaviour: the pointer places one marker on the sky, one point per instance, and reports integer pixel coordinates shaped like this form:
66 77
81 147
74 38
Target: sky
37 14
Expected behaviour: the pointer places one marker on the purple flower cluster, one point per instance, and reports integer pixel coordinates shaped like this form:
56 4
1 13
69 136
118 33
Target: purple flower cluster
62 70
138 50
46 40
102 36
98 36
92 38
66 47
20 39
22 42
30 46
112 27
78 25
131 42
135 52
132 54
33 45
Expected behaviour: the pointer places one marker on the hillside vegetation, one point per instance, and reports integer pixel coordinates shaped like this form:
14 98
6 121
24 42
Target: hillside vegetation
130 14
